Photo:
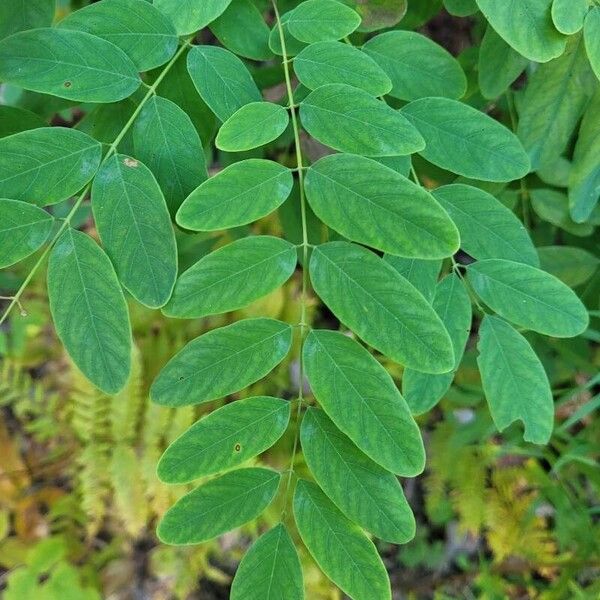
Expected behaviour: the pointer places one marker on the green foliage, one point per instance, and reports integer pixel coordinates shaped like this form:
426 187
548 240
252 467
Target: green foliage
251 184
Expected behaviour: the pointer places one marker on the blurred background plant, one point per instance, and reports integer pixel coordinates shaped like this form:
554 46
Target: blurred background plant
497 517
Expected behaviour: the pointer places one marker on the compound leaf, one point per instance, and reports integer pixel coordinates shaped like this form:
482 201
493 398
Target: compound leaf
270 569
23 229
334 62
384 309
189 16
370 203
252 126
360 397
222 80
487 228
240 194
514 381
47 165
453 305
233 277
224 439
222 361
529 297
89 310
322 20
365 492
69 64
351 120
417 66
466 141
527 26
222 504
340 548
144 33
166 141
134 225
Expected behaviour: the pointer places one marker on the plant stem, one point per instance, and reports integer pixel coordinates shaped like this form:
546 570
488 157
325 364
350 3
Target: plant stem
15 300
303 298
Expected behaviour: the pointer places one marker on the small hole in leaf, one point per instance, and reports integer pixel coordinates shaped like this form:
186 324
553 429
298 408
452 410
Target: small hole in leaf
181 378
67 84
237 447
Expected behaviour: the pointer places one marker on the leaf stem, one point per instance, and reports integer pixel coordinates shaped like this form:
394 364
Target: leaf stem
305 245
16 299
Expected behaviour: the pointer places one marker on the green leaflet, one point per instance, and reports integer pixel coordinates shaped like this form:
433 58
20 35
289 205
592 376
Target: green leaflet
165 140
591 34
453 305
252 126
222 80
377 501
527 26
189 16
556 173
240 194
224 439
371 204
572 265
23 229
423 274
68 64
134 225
378 14
360 397
44 166
351 120
553 206
242 29
222 504
461 8
233 277
270 569
292 45
340 548
134 26
379 305
417 66
568 15
529 297
14 120
222 361
584 178
178 87
322 20
466 141
487 228
334 62
89 310
553 102
514 381
26 15
499 65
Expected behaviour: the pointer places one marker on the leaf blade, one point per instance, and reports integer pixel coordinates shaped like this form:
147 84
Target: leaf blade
222 504
77 266
133 222
251 348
